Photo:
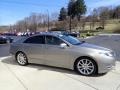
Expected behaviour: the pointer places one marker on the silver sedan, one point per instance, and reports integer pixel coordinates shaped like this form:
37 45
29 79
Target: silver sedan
63 51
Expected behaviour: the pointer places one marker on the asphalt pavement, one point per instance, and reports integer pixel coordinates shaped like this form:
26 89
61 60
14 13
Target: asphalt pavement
108 41
39 77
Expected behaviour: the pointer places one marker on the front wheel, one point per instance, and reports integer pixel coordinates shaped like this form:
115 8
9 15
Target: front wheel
85 66
21 58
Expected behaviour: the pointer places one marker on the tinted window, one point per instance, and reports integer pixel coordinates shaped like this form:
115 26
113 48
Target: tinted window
53 40
71 40
36 40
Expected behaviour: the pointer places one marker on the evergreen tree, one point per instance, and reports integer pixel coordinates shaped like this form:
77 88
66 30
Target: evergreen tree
71 11
71 8
63 14
76 8
79 8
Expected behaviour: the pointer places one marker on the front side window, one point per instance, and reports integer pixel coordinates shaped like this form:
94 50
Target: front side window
51 40
35 40
70 39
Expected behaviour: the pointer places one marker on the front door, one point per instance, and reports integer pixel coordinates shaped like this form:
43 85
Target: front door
54 54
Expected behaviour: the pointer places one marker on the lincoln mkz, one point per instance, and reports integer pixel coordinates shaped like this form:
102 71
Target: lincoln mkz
63 51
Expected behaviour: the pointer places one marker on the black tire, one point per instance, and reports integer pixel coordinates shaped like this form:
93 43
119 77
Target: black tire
88 69
21 59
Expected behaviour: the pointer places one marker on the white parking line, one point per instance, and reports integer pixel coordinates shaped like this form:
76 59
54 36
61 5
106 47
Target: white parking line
7 80
45 78
109 34
3 58
42 79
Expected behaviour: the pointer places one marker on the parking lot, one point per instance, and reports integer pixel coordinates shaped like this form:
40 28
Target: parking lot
39 77
109 41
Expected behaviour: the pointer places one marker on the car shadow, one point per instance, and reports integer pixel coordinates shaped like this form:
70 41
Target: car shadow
11 61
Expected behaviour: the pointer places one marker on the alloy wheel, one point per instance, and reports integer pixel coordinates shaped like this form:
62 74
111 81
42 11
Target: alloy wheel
85 67
21 59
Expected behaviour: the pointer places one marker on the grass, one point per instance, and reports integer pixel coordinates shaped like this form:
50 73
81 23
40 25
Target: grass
84 35
110 27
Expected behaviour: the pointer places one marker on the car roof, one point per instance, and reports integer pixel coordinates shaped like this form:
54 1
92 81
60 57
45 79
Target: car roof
48 33
43 33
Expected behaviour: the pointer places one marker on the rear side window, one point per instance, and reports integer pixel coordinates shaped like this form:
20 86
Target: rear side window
35 40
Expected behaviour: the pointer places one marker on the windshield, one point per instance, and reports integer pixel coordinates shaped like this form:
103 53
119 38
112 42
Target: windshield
71 40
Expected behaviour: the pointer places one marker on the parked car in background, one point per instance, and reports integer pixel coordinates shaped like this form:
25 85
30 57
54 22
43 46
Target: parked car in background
4 40
63 51
1 33
65 32
25 33
9 34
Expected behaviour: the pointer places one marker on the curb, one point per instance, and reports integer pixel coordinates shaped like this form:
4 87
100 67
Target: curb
109 34
88 37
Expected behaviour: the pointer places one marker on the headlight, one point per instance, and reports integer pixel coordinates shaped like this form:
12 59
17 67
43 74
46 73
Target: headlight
110 54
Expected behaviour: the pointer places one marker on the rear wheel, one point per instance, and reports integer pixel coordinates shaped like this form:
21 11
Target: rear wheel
85 66
21 58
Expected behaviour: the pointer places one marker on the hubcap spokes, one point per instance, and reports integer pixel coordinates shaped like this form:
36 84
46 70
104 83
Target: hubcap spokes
21 59
85 66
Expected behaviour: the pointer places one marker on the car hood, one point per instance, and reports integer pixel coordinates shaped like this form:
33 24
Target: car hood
87 45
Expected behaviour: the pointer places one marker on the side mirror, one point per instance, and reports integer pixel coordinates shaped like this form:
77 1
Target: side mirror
63 45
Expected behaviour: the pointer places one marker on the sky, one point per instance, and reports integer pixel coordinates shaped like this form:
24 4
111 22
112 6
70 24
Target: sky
12 11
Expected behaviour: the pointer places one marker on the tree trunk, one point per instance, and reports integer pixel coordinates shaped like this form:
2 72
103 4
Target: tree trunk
70 23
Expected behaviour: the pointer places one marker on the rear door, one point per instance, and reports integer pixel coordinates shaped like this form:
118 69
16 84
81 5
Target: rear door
34 47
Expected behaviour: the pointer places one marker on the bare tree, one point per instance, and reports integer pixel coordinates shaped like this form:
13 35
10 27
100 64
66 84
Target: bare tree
94 18
33 21
83 23
104 15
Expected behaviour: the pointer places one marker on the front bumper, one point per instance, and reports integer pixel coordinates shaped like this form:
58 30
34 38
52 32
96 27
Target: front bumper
105 64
